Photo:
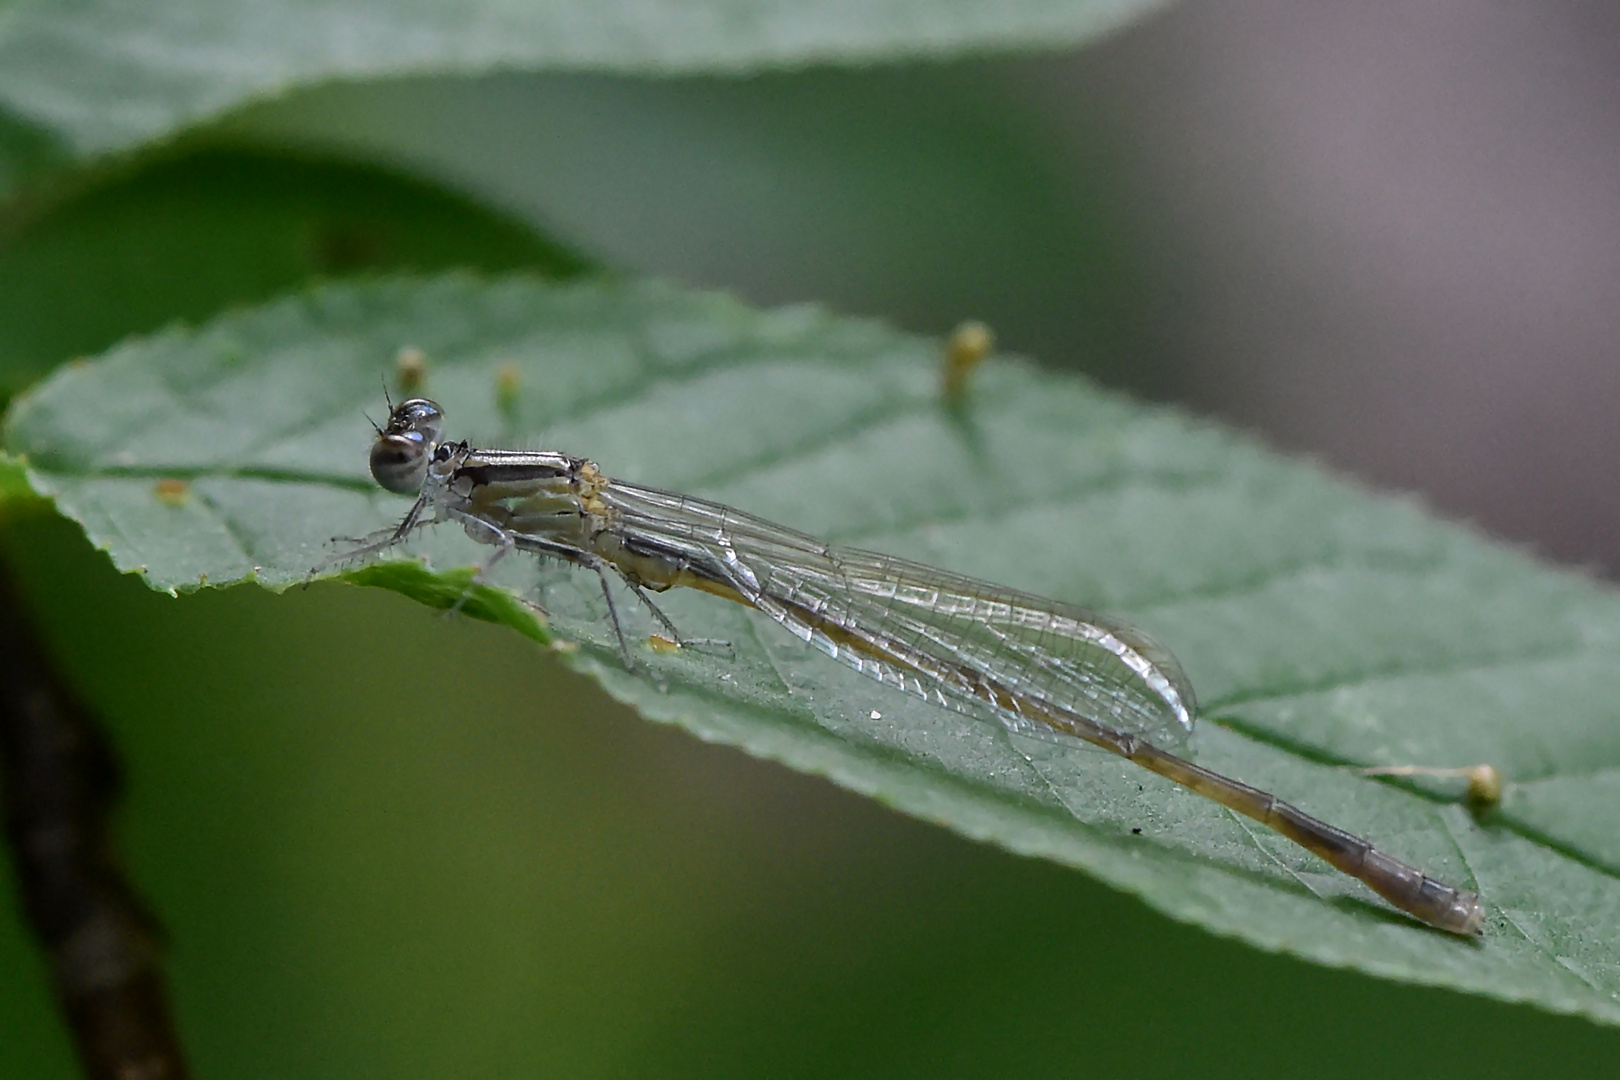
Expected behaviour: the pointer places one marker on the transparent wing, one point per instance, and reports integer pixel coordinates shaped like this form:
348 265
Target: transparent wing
960 642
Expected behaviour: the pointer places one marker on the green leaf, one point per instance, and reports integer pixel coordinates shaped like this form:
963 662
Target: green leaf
25 151
105 75
14 487
1322 626
186 236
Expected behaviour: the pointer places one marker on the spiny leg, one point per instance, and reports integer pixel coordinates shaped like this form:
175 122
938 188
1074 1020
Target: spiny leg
484 532
596 564
373 542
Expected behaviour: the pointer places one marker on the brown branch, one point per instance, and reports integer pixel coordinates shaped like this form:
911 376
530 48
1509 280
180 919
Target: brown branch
60 781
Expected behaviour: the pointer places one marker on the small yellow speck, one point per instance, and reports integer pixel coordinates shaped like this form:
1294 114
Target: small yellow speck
1484 786
1484 781
965 350
507 382
410 368
658 643
172 492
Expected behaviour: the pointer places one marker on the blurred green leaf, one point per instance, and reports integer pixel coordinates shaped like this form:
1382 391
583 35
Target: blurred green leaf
1323 626
14 486
104 75
825 183
25 150
186 236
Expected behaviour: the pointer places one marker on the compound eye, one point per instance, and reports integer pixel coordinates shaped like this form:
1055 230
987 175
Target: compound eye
417 416
399 463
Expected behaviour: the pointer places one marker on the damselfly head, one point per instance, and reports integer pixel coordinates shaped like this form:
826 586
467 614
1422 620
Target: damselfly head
400 456
416 415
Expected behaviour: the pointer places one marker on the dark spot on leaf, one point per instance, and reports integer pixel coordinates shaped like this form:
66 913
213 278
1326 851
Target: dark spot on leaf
345 246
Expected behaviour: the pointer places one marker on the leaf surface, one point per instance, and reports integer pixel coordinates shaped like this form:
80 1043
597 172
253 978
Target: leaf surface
105 75
1323 627
188 236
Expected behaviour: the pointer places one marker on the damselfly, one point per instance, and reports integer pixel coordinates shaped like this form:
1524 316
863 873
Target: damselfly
1035 665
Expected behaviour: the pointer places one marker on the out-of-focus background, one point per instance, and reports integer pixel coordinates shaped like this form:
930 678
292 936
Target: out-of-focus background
1380 234
1383 234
